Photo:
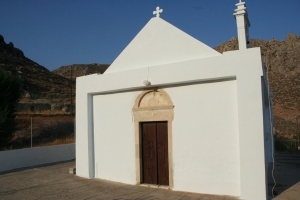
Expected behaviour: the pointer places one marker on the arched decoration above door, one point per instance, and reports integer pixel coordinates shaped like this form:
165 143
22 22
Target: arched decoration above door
153 105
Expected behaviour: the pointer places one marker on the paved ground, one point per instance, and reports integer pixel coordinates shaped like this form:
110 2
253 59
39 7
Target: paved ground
293 193
287 174
54 182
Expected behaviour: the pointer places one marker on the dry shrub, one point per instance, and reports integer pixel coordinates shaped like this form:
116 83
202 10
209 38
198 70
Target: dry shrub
59 141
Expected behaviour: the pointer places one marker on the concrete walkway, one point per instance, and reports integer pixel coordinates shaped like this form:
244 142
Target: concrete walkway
54 182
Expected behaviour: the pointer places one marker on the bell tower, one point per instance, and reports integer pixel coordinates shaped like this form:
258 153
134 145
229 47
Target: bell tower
243 24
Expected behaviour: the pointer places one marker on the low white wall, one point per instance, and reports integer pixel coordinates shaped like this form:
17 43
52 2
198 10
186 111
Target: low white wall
14 159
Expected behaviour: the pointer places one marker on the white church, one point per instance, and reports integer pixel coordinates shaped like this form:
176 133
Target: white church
172 112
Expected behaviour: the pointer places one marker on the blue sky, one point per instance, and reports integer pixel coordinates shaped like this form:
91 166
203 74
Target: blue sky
54 33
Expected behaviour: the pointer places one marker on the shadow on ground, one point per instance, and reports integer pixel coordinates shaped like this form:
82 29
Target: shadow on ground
286 173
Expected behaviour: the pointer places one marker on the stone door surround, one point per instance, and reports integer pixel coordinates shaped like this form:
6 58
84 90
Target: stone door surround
152 105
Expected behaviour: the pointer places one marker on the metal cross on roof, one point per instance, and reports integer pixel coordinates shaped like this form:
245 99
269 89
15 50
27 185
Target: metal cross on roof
157 12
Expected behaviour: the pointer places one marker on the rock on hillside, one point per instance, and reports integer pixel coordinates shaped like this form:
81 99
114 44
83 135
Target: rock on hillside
282 62
80 70
39 83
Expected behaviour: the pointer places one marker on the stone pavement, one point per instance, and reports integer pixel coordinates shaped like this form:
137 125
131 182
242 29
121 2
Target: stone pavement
54 182
293 193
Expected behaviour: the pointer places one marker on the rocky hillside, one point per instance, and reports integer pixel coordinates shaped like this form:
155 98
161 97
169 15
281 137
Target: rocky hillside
39 84
52 90
76 70
282 62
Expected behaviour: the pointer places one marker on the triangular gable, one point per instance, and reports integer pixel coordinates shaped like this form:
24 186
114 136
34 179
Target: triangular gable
159 42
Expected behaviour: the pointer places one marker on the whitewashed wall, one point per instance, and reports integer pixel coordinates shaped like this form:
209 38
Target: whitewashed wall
205 138
14 159
244 65
114 137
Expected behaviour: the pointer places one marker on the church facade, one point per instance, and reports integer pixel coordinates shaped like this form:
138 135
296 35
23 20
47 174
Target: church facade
172 112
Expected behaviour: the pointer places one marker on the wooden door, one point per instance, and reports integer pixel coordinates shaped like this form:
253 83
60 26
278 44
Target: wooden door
162 153
155 167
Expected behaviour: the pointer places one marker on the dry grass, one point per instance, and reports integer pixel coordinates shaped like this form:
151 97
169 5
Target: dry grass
59 141
46 130
45 112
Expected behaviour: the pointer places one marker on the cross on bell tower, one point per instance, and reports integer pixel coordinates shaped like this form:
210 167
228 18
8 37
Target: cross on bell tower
157 11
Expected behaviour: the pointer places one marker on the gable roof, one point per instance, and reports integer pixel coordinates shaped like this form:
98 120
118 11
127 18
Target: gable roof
159 42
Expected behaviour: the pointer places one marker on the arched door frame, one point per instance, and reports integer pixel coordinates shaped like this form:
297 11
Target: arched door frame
163 110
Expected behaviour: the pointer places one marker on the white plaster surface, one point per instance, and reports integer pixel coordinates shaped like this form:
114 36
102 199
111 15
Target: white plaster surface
15 159
159 42
114 137
205 138
243 25
244 66
203 127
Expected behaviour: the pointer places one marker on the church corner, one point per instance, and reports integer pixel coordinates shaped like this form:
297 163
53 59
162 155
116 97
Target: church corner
207 129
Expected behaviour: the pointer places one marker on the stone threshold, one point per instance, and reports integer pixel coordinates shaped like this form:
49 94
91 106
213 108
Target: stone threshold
165 187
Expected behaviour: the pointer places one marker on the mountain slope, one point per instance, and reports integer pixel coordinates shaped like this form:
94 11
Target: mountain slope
38 82
76 70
